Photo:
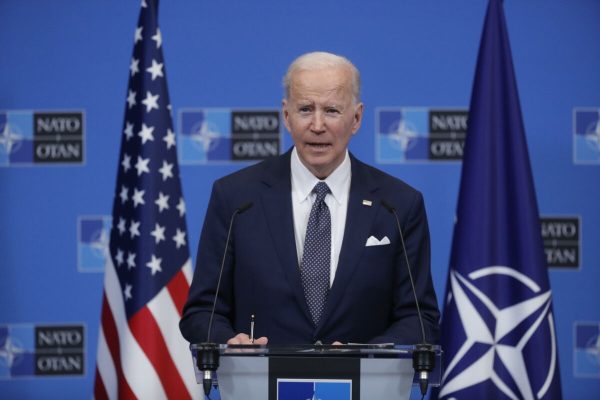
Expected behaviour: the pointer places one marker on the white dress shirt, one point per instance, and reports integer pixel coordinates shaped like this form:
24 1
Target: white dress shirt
303 182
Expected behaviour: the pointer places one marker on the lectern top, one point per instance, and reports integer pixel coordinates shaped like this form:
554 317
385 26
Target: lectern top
384 350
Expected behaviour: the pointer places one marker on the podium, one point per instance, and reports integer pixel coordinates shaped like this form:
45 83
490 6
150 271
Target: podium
267 372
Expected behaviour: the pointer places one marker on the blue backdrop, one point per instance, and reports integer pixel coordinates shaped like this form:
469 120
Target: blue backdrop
74 56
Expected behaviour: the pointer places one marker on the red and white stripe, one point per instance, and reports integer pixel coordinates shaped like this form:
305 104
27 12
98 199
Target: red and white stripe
145 357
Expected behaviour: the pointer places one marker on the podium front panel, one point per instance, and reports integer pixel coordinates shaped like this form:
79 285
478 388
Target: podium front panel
262 378
244 378
386 378
260 372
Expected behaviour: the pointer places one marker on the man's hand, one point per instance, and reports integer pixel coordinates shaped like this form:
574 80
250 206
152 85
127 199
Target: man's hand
242 338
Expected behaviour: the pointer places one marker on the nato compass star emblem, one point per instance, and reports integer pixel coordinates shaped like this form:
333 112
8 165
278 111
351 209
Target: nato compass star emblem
10 352
99 243
10 139
592 134
403 134
205 136
314 396
592 350
502 361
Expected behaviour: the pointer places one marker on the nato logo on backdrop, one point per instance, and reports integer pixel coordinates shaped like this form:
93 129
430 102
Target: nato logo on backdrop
223 135
409 134
562 240
41 137
93 233
28 350
586 135
587 350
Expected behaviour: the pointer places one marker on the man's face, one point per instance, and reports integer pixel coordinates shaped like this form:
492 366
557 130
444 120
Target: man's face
322 117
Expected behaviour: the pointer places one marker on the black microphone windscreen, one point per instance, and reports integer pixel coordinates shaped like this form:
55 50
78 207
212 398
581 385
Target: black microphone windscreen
388 206
244 207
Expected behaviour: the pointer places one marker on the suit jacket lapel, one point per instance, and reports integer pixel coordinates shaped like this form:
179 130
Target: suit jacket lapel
359 219
277 203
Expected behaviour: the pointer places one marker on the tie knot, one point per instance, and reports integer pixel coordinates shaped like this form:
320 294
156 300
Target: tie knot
321 189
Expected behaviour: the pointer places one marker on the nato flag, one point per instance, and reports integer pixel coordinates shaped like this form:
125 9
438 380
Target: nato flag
498 325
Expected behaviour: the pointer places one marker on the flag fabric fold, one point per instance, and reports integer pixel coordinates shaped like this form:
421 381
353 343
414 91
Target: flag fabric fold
141 354
498 331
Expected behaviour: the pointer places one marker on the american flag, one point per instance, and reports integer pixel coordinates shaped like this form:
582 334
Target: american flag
141 353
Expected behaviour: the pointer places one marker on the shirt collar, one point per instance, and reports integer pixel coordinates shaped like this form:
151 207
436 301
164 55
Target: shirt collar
303 181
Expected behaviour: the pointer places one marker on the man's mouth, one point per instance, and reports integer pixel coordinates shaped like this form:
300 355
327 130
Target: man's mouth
318 145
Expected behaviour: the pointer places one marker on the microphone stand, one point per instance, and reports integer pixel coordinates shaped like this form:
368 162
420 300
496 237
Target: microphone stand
423 355
207 357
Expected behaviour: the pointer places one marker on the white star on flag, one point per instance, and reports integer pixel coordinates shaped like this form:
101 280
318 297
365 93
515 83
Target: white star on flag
154 264
121 226
158 233
134 229
126 163
119 257
134 66
142 165
166 170
181 207
138 33
138 197
156 70
146 133
162 202
157 38
179 238
127 292
124 194
128 130
130 260
169 138
131 99
151 101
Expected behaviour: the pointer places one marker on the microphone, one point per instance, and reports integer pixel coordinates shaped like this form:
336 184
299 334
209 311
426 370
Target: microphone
239 210
208 352
423 355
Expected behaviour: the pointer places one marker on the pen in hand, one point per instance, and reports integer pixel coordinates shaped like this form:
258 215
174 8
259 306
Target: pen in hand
252 328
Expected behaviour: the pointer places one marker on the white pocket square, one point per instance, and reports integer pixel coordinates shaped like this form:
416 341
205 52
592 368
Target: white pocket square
373 241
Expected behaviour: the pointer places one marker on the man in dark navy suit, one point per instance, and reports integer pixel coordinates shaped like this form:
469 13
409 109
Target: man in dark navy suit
317 257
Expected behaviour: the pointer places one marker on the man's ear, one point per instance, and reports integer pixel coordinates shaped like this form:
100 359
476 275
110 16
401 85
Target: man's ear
358 114
286 113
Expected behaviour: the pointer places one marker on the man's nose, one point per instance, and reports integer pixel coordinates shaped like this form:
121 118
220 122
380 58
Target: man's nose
318 122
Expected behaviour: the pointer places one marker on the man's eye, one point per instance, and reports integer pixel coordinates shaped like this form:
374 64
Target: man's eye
333 111
304 109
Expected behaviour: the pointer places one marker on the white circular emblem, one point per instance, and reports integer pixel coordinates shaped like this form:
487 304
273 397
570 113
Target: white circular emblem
495 335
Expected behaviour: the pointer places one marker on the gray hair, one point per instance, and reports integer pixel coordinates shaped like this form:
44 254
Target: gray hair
321 60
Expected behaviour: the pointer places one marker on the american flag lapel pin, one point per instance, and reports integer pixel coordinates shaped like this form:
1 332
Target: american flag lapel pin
367 203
